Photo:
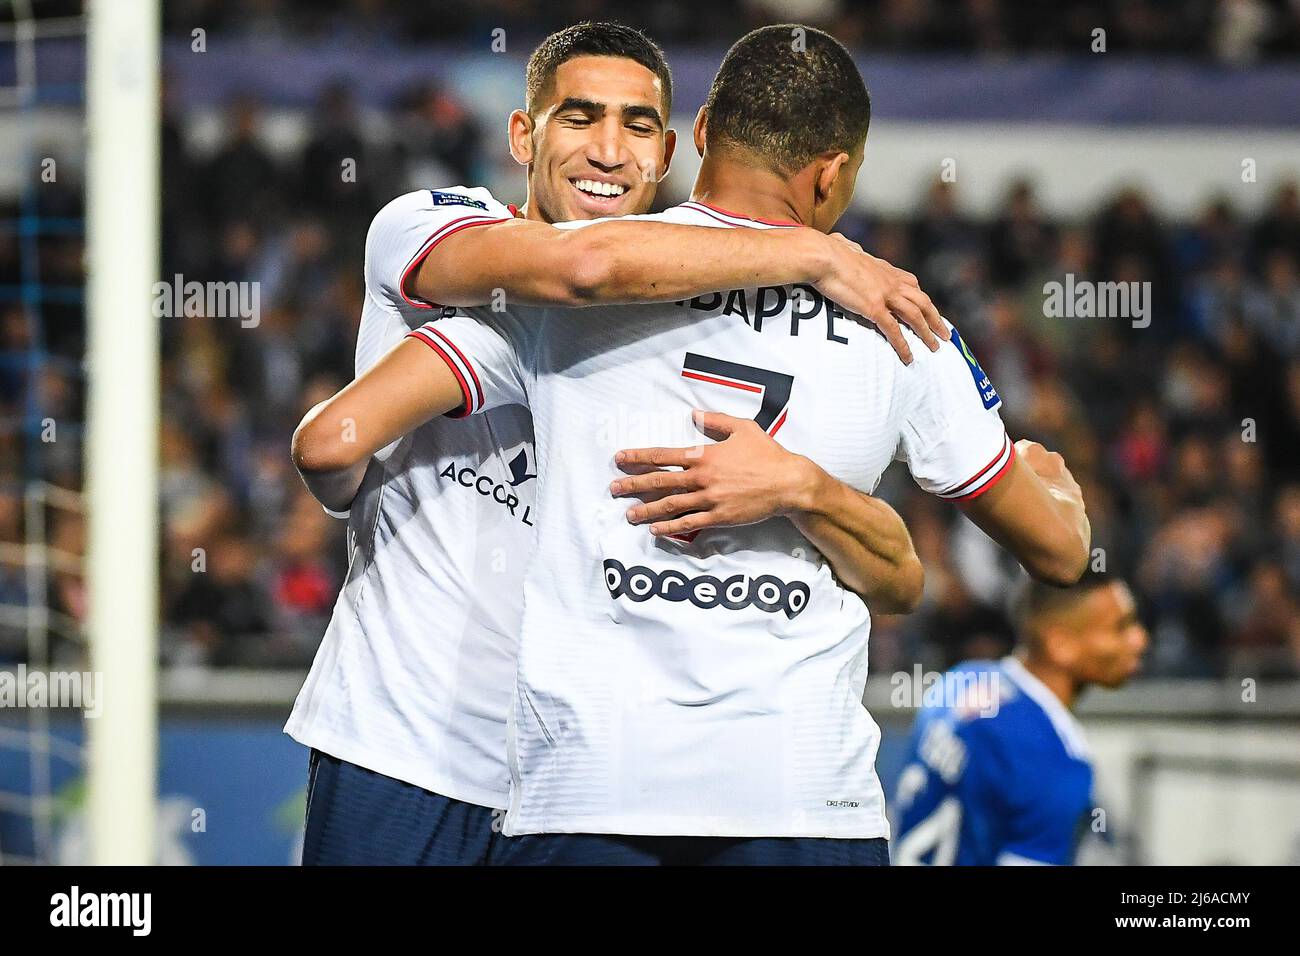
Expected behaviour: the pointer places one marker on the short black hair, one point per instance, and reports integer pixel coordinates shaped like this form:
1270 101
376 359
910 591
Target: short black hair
788 93
594 39
1036 598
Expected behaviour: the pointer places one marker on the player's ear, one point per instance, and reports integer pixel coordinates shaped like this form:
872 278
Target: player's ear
519 129
829 170
670 146
1061 645
701 123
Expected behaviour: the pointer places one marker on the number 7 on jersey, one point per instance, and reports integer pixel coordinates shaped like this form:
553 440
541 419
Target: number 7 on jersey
774 387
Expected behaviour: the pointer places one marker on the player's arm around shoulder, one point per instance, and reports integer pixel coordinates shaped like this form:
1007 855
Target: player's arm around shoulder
486 258
461 247
518 260
611 262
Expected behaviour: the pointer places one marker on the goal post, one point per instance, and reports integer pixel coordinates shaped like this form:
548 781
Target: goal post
122 237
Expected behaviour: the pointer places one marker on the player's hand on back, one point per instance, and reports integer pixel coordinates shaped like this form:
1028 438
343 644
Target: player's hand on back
882 294
743 478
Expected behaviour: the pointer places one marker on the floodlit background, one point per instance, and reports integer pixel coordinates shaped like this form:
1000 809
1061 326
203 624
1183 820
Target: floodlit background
1013 142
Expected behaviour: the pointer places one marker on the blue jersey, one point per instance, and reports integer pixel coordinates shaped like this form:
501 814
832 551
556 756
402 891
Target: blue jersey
999 774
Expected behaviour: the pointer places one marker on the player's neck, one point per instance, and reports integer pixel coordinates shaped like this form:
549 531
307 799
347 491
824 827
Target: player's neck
1061 684
748 191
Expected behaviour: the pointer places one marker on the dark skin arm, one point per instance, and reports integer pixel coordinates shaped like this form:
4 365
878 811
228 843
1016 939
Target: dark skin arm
1037 513
746 477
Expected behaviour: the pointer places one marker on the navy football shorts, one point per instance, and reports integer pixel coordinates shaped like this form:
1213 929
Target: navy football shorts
356 817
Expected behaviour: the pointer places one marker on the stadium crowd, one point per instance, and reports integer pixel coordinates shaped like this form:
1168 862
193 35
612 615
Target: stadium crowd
1185 434
1231 31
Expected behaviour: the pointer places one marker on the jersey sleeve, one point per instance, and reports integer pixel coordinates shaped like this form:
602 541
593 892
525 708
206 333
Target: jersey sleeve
405 231
483 350
953 440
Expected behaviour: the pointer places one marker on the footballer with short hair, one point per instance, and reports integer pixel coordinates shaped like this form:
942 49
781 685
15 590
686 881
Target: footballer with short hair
1011 782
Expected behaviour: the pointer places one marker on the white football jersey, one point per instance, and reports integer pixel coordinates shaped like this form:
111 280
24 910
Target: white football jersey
413 678
710 687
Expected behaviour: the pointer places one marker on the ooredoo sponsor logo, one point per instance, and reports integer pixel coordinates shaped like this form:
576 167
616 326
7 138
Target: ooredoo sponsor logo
765 592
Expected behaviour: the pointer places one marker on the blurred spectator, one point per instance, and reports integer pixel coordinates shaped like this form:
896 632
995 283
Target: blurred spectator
1020 241
335 174
1216 234
241 180
1280 226
1286 527
305 583
943 236
1276 314
1240 28
1265 636
223 609
1142 447
438 139
1127 235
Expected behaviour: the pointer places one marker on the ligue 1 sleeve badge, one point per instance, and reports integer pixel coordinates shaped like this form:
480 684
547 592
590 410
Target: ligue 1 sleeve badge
988 394
456 199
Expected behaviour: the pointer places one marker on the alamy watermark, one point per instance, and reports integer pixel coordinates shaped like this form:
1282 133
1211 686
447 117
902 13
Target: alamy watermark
75 908
213 300
974 692
29 689
1084 299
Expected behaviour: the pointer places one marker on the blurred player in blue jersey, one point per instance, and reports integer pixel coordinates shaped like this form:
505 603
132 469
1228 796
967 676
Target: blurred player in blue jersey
1001 774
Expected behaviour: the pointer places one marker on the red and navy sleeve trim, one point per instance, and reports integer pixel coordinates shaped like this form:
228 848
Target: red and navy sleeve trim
448 229
470 387
986 477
